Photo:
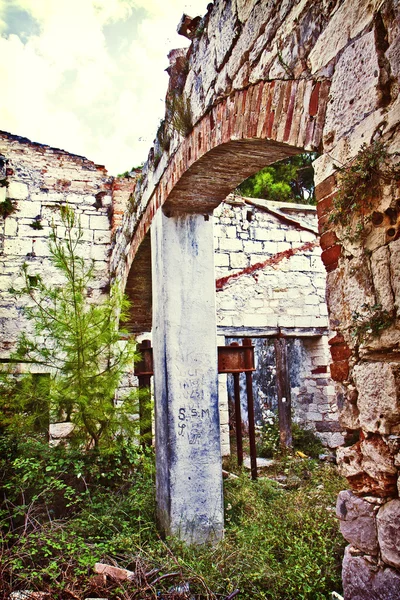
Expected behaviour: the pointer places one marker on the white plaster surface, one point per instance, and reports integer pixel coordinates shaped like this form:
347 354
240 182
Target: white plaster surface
189 475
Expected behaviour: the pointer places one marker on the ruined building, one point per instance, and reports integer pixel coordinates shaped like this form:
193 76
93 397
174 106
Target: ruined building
262 81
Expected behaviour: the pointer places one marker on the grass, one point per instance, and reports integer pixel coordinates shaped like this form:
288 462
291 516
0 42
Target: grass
64 511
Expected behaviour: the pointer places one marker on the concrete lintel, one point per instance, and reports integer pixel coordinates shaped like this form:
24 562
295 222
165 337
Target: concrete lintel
272 331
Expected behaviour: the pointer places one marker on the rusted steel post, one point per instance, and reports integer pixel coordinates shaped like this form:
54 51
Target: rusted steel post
145 416
250 407
283 389
238 415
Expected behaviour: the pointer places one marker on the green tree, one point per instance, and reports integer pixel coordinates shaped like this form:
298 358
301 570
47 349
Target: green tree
79 344
289 180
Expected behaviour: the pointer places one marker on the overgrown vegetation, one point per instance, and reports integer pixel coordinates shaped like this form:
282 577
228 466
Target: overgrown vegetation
359 184
304 440
36 224
63 511
164 136
179 114
370 321
289 180
7 208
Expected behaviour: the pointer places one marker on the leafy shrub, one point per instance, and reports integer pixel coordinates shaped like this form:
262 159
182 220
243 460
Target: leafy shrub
64 510
304 440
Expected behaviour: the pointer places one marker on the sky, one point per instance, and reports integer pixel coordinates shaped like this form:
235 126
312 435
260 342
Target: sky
87 76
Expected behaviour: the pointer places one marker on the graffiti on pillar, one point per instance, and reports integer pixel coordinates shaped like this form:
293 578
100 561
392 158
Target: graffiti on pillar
190 421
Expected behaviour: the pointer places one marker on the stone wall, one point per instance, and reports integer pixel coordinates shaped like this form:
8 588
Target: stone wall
268 269
264 80
270 280
37 180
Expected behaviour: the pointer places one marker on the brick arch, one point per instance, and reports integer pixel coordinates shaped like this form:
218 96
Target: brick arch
250 129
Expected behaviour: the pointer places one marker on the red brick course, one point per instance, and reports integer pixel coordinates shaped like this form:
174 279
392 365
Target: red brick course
340 370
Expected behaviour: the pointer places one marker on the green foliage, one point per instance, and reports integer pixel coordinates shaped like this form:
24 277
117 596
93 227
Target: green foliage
304 440
289 180
164 136
79 343
359 184
7 207
63 510
36 224
371 321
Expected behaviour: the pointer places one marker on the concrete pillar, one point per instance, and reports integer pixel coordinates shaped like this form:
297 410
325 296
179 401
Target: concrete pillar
188 453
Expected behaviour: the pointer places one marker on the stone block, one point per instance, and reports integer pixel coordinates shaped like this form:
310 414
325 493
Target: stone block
238 260
252 247
377 458
277 235
59 432
380 267
332 440
18 190
355 461
230 231
10 226
363 579
299 263
231 245
349 287
346 23
349 416
28 209
221 260
388 521
259 233
354 89
113 572
99 222
25 230
394 270
307 236
293 236
378 387
17 247
270 247
357 522
99 237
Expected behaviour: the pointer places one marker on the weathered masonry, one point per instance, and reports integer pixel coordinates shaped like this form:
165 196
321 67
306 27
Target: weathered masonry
270 281
259 82
262 81
269 278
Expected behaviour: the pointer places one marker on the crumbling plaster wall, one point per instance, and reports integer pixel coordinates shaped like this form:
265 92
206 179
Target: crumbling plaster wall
318 75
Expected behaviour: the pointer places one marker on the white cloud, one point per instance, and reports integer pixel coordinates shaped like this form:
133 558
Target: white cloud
69 83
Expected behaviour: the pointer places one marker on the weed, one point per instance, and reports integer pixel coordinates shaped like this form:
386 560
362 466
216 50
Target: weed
63 510
371 322
36 224
163 136
179 114
156 160
7 208
304 440
359 184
